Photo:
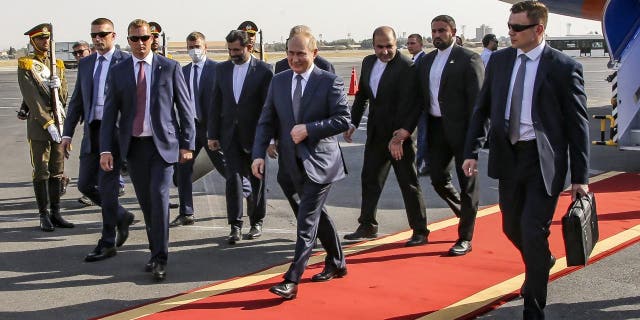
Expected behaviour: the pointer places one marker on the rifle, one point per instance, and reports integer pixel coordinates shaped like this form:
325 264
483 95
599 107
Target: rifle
164 44
53 93
261 46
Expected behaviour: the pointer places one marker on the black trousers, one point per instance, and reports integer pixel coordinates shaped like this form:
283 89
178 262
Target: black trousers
313 222
375 170
238 163
527 211
443 155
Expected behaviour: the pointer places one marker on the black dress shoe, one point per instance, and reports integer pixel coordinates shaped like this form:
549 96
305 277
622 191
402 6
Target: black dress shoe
327 275
461 248
363 232
149 266
173 205
254 232
45 222
285 289
123 228
234 235
101 252
159 272
417 239
182 220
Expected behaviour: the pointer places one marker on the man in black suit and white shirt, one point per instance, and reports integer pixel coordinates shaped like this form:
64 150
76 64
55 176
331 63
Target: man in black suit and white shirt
534 96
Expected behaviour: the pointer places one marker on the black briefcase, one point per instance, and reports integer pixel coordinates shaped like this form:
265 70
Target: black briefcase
580 230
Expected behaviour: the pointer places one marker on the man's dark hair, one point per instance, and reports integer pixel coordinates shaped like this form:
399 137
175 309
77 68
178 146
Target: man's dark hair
446 19
417 37
383 30
240 35
536 11
80 43
194 36
101 21
488 38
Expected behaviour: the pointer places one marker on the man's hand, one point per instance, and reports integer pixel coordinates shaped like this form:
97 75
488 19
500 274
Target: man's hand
214 145
576 189
272 150
395 145
54 82
185 155
470 167
53 131
257 168
347 134
299 133
66 146
106 162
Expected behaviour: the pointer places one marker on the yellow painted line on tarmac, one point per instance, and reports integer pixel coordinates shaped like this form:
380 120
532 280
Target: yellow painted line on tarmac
487 296
272 272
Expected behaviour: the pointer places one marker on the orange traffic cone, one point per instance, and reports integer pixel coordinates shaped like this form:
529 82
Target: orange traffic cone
353 84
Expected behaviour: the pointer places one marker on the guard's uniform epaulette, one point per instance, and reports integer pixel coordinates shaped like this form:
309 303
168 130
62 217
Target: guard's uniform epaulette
25 63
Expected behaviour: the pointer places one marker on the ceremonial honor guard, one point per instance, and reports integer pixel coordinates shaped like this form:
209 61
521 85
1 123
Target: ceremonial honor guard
44 124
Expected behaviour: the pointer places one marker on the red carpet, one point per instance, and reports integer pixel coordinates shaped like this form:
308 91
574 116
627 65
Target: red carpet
394 282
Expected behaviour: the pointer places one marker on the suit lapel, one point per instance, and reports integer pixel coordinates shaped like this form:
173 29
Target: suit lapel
187 74
288 104
448 66
156 71
505 83
309 89
248 77
541 74
428 64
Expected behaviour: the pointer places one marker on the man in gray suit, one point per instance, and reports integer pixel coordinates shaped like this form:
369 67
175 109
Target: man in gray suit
534 96
306 108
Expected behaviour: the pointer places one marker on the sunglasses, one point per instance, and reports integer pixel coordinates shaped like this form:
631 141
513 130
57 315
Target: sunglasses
78 52
144 38
520 27
101 34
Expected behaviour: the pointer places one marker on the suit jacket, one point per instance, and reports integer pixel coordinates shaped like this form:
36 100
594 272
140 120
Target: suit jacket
168 88
319 61
459 86
388 110
205 86
227 117
325 112
558 111
80 105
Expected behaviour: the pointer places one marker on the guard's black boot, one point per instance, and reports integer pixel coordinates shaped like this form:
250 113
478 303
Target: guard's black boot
55 188
40 189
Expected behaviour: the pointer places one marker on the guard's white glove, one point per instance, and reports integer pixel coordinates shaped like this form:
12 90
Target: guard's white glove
54 82
55 135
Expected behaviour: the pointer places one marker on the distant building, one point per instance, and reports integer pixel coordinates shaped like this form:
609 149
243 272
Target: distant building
482 31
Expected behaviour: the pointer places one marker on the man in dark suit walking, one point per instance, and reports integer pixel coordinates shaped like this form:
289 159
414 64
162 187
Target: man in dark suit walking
200 76
534 96
149 102
87 104
448 81
283 179
240 91
385 83
306 108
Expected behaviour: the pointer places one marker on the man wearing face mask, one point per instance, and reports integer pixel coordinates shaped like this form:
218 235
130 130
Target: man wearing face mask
240 92
200 75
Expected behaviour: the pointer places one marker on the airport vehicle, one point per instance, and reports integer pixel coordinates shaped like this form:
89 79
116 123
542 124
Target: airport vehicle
621 28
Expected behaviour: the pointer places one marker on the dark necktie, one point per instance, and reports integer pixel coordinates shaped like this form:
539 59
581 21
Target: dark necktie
141 101
96 87
297 97
516 101
196 91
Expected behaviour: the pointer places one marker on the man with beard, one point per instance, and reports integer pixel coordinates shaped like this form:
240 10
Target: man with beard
448 80
240 91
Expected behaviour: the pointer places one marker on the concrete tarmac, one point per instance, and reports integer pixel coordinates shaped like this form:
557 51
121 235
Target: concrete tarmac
43 275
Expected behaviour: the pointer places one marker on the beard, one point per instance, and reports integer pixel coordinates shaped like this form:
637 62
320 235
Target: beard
441 44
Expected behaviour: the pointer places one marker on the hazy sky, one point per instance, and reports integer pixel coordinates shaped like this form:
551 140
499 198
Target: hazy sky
334 19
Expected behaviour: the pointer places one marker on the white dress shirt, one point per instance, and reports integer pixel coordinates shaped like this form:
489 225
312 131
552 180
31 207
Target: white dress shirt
435 74
485 56
376 74
98 108
239 74
526 122
303 82
148 62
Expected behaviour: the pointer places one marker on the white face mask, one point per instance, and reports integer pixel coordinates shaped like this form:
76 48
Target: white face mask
196 55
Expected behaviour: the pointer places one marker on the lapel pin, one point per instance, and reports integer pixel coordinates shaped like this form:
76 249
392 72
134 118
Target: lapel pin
452 61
